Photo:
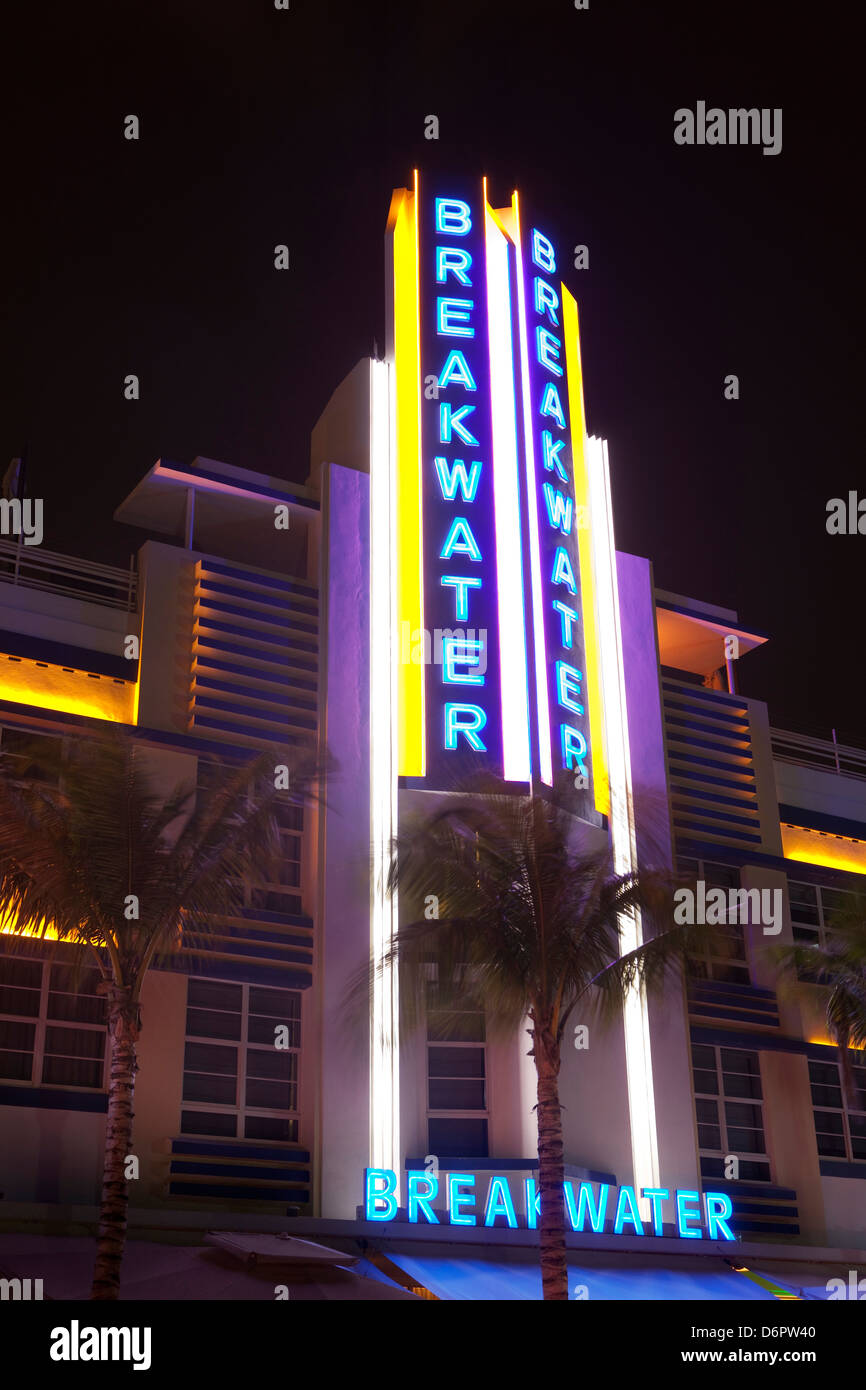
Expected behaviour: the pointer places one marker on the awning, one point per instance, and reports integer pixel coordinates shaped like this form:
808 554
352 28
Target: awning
809 1281
510 1274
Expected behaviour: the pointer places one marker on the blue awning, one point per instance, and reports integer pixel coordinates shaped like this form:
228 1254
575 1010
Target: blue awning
810 1281
508 1274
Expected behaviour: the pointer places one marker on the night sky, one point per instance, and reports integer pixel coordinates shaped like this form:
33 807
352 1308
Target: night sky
261 127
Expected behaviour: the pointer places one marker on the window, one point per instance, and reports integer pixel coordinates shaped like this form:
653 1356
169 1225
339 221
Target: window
284 894
51 1033
840 1129
457 1083
236 1082
812 911
729 1111
727 964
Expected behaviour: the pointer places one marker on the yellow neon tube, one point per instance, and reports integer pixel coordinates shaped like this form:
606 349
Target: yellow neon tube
410 589
571 334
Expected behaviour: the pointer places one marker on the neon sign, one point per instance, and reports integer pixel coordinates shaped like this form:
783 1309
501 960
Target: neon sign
458 568
696 1216
488 556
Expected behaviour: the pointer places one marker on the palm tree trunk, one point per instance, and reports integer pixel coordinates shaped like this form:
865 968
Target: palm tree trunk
123 1029
849 1088
551 1172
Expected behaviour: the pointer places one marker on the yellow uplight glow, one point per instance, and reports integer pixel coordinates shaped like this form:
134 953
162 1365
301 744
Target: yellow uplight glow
45 686
831 851
38 930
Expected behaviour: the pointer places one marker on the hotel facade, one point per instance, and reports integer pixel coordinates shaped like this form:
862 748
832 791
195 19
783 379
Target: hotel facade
446 580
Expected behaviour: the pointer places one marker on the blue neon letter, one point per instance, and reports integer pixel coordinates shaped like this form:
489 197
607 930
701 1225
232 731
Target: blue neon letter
453 476
568 617
452 318
585 1205
573 746
466 720
453 215
455 260
533 1204
546 345
626 1211
450 419
551 404
457 1200
416 1200
460 539
386 1194
562 571
546 300
567 686
456 369
552 461
559 509
499 1203
457 581
656 1196
467 652
686 1213
719 1208
542 252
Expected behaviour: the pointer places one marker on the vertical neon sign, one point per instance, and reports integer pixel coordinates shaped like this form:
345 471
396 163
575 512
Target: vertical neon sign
492 503
460 648
554 521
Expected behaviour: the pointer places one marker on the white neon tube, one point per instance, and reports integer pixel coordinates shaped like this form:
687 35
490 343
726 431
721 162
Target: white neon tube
639 1071
516 751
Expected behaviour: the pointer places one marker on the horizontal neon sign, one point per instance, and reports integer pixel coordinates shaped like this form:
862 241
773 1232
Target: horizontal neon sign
585 1209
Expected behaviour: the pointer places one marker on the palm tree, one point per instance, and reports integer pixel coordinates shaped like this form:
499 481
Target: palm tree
92 850
839 965
528 927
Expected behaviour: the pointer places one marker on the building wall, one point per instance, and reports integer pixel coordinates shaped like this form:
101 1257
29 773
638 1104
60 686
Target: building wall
159 1082
50 1155
668 1019
167 580
342 1043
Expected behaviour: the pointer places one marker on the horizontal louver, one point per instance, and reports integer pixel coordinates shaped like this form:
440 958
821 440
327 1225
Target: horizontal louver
254 656
709 745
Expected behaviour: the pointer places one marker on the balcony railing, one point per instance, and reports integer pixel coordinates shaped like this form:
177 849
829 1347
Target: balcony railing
825 753
33 567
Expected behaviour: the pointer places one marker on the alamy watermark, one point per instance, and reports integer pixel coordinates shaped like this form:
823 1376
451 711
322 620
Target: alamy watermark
19 518
846 518
736 126
716 906
20 1290
447 647
77 1343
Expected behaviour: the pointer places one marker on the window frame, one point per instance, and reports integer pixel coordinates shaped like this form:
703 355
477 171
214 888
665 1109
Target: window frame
41 1022
720 1098
430 1047
844 1111
240 1109
704 958
289 895
819 933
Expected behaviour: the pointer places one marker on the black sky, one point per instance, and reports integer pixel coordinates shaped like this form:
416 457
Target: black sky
261 127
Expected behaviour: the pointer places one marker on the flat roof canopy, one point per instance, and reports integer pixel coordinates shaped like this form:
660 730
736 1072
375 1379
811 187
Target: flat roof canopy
694 640
233 509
